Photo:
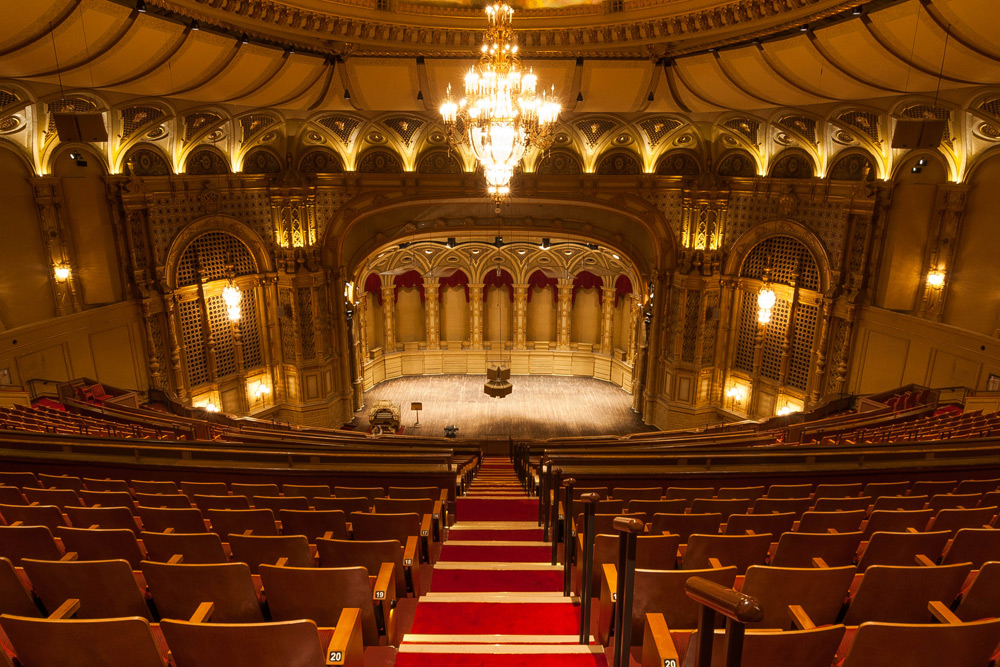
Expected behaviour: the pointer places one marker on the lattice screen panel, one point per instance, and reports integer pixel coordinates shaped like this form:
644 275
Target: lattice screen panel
306 323
194 344
784 255
250 331
213 251
222 334
746 330
708 337
805 332
774 337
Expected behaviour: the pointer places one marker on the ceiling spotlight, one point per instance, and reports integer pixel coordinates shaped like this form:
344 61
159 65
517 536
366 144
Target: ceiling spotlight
347 94
858 11
916 170
545 244
711 49
194 26
140 6
922 162
451 242
498 241
579 97
649 97
244 39
804 27
290 50
420 96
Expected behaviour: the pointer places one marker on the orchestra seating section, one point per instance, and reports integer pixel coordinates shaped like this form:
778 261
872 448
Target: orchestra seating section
166 537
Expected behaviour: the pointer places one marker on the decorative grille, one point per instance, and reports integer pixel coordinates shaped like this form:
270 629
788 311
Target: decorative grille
692 310
745 126
306 323
222 336
774 338
866 121
194 345
711 326
805 332
991 107
287 324
594 129
802 124
211 253
342 126
250 331
404 126
197 123
255 123
786 256
746 332
8 97
135 117
657 128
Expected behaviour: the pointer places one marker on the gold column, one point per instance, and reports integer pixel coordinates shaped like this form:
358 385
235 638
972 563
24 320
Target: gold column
361 318
607 318
389 318
173 326
432 316
565 306
633 312
476 316
520 317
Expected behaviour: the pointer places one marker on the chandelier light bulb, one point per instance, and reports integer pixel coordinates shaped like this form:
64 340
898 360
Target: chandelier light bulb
232 297
766 299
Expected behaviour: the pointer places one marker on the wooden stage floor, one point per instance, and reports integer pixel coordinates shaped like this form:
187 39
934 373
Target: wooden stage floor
539 407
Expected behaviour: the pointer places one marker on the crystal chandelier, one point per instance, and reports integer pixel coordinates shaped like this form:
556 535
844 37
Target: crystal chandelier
500 115
232 296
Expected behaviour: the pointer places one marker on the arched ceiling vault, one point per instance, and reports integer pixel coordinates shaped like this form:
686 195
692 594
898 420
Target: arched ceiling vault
694 56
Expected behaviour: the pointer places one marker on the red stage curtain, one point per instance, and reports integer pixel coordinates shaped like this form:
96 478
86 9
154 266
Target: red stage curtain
373 285
623 287
498 279
410 279
454 280
540 281
586 280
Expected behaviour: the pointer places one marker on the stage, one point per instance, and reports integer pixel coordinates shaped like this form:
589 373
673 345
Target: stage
539 407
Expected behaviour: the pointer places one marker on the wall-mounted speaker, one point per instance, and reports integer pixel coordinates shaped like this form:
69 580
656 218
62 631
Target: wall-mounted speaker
924 133
87 127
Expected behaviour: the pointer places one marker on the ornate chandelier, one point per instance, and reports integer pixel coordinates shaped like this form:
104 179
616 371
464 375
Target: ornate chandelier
500 115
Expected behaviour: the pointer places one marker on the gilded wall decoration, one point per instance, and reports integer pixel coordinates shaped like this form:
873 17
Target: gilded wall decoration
737 164
438 162
678 163
559 163
321 161
853 167
204 161
379 162
261 161
792 164
619 163
146 162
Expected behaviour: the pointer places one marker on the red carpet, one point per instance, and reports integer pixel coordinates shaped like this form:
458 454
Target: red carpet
489 581
524 534
486 554
500 618
495 509
468 660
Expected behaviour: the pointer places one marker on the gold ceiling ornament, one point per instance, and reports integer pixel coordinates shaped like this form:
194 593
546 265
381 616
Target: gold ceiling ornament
501 114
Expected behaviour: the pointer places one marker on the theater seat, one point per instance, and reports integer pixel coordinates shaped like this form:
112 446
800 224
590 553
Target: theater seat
314 524
254 550
58 643
193 548
924 645
105 588
178 589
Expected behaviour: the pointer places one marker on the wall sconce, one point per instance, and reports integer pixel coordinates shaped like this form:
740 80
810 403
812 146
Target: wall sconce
349 292
935 279
765 302
210 407
736 394
62 272
261 391
232 296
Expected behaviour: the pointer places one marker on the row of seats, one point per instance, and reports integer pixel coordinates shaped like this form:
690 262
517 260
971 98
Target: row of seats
49 420
946 426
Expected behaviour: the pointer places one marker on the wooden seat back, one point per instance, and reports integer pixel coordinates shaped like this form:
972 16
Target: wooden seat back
278 503
897 521
192 489
842 504
847 490
251 490
739 551
66 482
238 521
208 503
662 591
194 548
799 549
314 524
369 554
11 495
796 506
105 588
876 490
102 544
255 550
107 499
19 479
982 599
822 522
179 519
92 484
762 648
369 492
896 594
685 525
627 494
170 500
59 497
385 526
14 597
320 594
154 487
404 492
651 507
344 504
20 542
652 552
786 491
108 517
688 493
49 516
419 506
931 645
56 643
308 490
750 493
909 503
973 545
178 590
284 644
954 519
943 501
820 591
932 487
776 524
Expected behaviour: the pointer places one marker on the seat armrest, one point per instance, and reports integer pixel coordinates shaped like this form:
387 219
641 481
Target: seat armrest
203 613
606 602
923 560
819 563
658 649
941 612
800 619
425 538
70 555
176 559
384 595
66 610
345 647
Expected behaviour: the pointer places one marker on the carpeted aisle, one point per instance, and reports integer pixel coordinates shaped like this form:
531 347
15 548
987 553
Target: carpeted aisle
495 600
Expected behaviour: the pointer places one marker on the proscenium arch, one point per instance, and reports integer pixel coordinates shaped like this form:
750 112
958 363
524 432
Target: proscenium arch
215 223
371 220
749 240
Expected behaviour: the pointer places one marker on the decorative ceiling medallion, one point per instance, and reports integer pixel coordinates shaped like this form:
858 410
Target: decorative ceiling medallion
315 138
686 139
543 260
437 138
157 133
375 138
729 140
269 137
215 136
623 140
783 138
987 131
842 137
561 139
453 259
11 124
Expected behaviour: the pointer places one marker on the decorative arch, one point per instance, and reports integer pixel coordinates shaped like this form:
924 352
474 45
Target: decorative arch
586 280
145 160
261 160
737 164
623 288
979 160
853 165
498 278
559 162
373 285
208 256
216 223
539 281
438 161
321 161
456 279
206 160
930 153
619 163
792 163
678 163
379 161
411 278
743 245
